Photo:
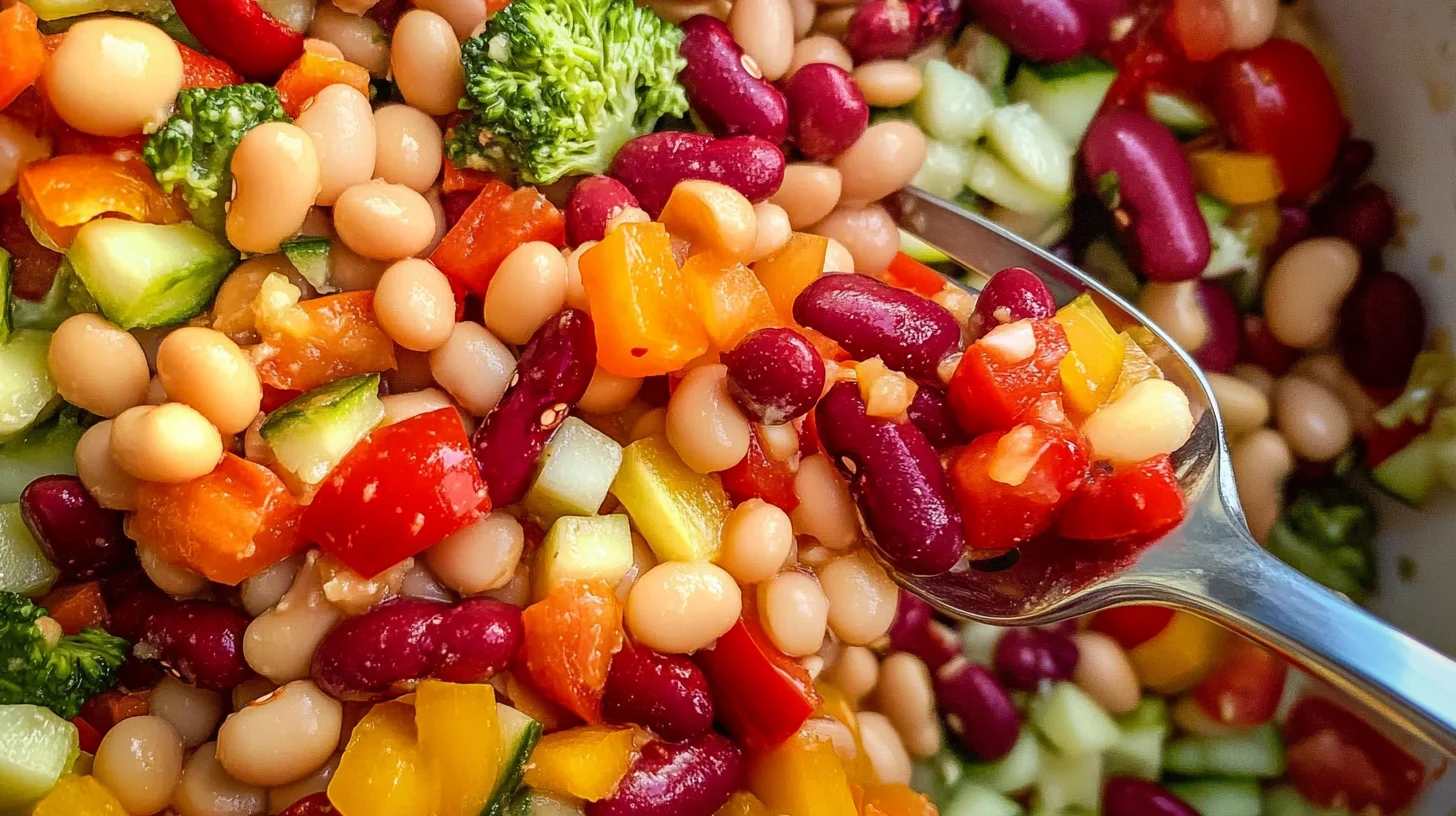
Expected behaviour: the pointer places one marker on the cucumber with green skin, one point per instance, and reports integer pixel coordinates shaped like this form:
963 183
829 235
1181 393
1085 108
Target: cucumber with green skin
944 170
536 803
1016 771
1220 797
147 275
24 568
7 274
1067 94
1410 473
1139 750
1187 118
952 106
990 178
1073 722
36 747
1031 146
519 735
28 395
47 449
1284 800
1069 783
309 254
574 474
1258 753
311 434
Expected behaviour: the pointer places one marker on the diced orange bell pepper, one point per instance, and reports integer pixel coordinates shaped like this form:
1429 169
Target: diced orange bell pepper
77 607
802 777
743 803
79 796
895 800
786 272
24 52
311 73
226 525
1176 658
908 273
530 701
309 344
202 71
497 222
835 705
383 771
62 193
728 298
110 707
460 739
570 638
586 762
1236 178
639 303
1091 367
458 179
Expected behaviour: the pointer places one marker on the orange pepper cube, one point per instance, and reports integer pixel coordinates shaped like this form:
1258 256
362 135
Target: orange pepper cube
804 777
728 298
712 216
585 762
313 72
787 272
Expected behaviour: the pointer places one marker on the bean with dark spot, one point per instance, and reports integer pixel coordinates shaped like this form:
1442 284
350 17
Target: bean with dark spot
667 694
726 89
977 709
199 642
871 319
676 779
930 411
775 375
83 539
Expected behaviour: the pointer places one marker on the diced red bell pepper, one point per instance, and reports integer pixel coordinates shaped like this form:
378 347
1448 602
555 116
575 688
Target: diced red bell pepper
1244 690
570 638
762 695
24 52
1132 626
314 342
240 32
498 221
1140 500
1337 760
90 738
226 525
202 71
275 398
1201 29
77 606
1010 485
110 707
908 273
464 179
990 394
398 492
759 476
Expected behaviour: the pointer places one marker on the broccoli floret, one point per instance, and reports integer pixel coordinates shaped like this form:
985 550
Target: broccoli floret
37 668
195 147
1327 532
557 86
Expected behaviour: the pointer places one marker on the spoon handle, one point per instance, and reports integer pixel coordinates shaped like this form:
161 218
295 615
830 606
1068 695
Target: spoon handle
1337 641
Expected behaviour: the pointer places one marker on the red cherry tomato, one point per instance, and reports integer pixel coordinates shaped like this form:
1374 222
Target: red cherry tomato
1338 760
1245 688
1276 99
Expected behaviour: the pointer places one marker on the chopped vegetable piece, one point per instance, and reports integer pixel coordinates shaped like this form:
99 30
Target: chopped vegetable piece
60 675
239 31
495 223
1094 360
1327 531
311 73
146 275
1072 722
787 272
1236 178
24 567
383 771
728 298
79 796
310 434
1179 655
25 56
678 510
575 474
762 695
802 776
585 762
518 737
579 548
308 344
459 737
62 193
908 273
995 382
77 606
202 71
36 747
1132 626
27 393
570 638
1338 759
1137 500
760 476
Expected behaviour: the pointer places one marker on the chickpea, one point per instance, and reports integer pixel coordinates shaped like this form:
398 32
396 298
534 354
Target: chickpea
282 737
528 288
678 608
410 147
207 789
194 712
359 38
1149 419
474 367
712 216
756 540
888 83
882 161
1305 289
862 598
415 305
826 511
1261 461
426 62
883 746
809 193
819 48
481 557
140 762
107 483
114 76
1177 309
19 146
795 612
341 124
205 370
277 176
97 366
1313 420
165 443
1243 407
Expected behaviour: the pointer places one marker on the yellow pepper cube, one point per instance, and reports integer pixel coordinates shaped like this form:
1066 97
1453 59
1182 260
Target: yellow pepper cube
1136 364
459 736
1175 659
383 772
678 510
742 803
1236 178
802 777
1090 370
79 796
585 762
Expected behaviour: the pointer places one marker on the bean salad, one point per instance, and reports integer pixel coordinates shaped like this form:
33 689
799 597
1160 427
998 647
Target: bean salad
518 407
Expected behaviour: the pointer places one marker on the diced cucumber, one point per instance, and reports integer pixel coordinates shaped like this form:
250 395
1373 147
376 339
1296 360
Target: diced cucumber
576 472
519 735
1104 261
984 57
1185 117
919 250
60 9
1067 94
36 747
312 433
24 568
7 268
978 641
992 179
937 775
972 799
1072 722
309 254
583 548
1014 772
1032 147
1151 712
953 106
1069 782
145 275
538 803
945 169
1220 797
678 510
46 449
1410 473
1139 750
66 297
1284 800
27 392
1257 753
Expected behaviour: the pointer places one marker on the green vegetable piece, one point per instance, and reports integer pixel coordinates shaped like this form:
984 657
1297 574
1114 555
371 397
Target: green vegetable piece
1015 772
953 106
919 250
991 178
1258 753
678 510
1066 782
7 324
309 254
24 568
66 297
36 747
311 434
1186 117
972 799
145 275
195 147
575 473
1328 533
519 735
945 169
60 675
1067 94
978 641
60 9
1030 146
1072 722
1219 797
1410 473
46 449
557 86
936 776
1284 800
531 802
1139 750
986 58
1432 375
583 548
27 393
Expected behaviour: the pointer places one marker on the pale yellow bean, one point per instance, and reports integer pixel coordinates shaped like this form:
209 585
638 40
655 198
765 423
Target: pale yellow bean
826 511
884 159
774 230
1149 419
206 789
426 62
809 193
279 644
410 147
819 48
854 672
862 598
1305 288
837 258
474 367
463 15
795 612
1261 461
204 369
165 443
140 762
113 76
173 579
399 407
803 11
98 366
704 424
1105 673
833 22
1329 370
905 694
527 289
341 124
102 477
359 38
277 177
1242 406
765 31
280 797
1252 22
194 712
415 305
867 231
608 393
282 737
678 607
263 590
481 557
1313 420
884 748
384 221
756 540
888 83
1177 310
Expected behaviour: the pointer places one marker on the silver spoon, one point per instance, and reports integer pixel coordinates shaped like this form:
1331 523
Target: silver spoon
1210 565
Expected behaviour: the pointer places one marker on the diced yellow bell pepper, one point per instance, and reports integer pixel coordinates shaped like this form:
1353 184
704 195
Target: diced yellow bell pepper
1175 659
1236 178
802 777
896 800
383 772
460 740
678 510
728 298
79 796
743 803
833 703
586 762
1091 368
1136 364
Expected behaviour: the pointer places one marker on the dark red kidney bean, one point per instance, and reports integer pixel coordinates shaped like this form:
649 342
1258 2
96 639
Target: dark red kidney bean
315 804
1258 345
775 375
676 779
1138 169
872 319
725 87
930 411
475 640
1295 225
381 653
1352 159
198 642
883 29
1025 658
1040 30
553 372
455 204
594 201
136 674
1130 796
1010 295
132 599
896 478
1382 329
1098 16
668 694
1221 350
83 539
1365 217
652 165
916 631
827 112
938 18
977 709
